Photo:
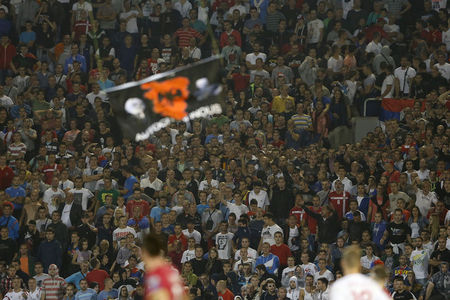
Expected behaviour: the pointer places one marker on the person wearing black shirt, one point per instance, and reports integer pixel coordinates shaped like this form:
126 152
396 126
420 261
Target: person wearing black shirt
398 231
440 254
7 246
327 221
170 19
400 293
282 201
162 236
198 263
356 227
191 185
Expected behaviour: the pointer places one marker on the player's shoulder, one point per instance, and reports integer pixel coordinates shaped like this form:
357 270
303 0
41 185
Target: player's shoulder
357 284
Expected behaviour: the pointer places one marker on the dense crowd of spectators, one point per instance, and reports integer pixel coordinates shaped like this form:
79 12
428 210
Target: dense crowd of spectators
252 203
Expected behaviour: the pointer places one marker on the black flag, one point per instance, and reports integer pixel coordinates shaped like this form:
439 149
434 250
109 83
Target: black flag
143 107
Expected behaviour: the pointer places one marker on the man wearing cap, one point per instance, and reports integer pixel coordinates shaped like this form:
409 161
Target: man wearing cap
10 221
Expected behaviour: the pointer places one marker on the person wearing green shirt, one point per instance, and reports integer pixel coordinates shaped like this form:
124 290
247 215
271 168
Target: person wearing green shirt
107 190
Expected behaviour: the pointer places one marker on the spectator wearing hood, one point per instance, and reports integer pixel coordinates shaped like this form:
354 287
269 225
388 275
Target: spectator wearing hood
293 291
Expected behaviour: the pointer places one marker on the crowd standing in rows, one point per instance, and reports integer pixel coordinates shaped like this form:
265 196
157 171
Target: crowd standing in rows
252 203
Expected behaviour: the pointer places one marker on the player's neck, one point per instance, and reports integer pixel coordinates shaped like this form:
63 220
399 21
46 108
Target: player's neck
155 263
352 271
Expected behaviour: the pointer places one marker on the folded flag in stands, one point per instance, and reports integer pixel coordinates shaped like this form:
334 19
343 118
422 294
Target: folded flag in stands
391 108
142 108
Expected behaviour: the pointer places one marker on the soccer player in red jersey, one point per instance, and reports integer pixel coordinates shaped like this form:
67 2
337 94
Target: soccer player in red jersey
162 280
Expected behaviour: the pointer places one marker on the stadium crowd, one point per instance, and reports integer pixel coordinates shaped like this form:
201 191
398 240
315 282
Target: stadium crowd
252 203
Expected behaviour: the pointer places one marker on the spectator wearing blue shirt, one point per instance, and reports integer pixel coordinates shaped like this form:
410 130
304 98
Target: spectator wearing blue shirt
108 291
363 199
16 195
68 64
28 36
84 292
127 54
271 261
5 24
157 211
378 228
318 88
9 221
77 277
128 186
104 82
50 251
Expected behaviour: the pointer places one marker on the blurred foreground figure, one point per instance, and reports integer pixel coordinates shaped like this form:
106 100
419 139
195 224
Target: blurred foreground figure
162 280
355 285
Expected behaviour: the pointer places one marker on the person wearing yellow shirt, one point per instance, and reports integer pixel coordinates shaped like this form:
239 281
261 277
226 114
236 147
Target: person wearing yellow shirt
283 102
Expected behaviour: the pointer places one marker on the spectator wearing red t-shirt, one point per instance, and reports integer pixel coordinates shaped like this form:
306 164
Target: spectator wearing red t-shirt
241 79
280 249
137 200
312 223
229 31
7 53
97 275
298 211
392 174
51 168
177 238
223 292
339 199
439 210
185 33
6 174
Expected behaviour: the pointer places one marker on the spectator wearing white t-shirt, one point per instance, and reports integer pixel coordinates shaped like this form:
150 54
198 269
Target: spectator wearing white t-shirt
224 241
123 230
443 67
82 195
419 260
52 196
130 16
250 59
96 93
189 253
78 7
403 77
269 230
323 271
315 29
236 206
183 6
259 195
387 87
335 62
375 45
190 232
368 259
391 28
251 253
425 197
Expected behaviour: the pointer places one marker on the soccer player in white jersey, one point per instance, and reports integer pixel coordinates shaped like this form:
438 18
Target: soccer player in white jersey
354 285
